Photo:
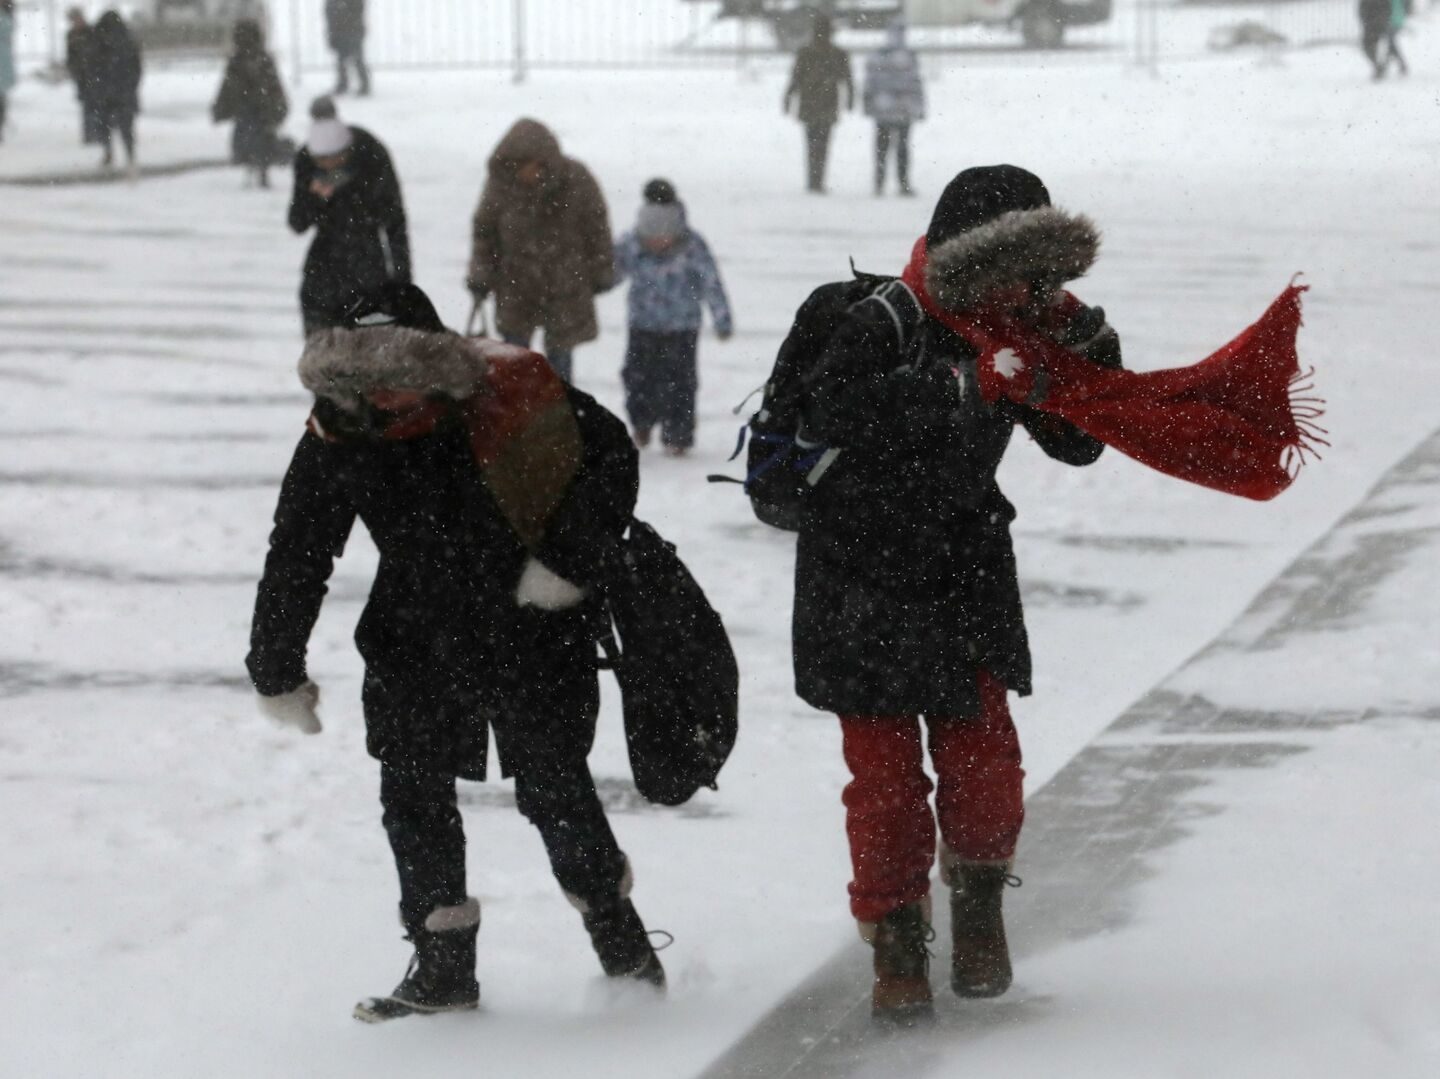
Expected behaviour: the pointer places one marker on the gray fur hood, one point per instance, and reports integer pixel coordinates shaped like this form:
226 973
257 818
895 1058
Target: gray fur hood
1023 246
346 365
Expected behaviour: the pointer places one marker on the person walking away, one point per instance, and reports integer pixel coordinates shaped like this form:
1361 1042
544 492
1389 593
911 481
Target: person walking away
115 87
347 190
541 244
907 604
894 97
1374 28
78 59
252 96
1399 12
345 30
672 273
7 58
495 495
821 69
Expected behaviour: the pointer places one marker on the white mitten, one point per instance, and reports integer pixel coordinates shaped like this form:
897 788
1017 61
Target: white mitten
294 710
540 587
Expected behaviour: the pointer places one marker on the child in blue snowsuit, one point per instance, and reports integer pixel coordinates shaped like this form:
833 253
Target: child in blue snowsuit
672 274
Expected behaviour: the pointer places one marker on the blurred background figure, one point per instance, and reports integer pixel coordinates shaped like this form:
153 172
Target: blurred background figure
894 97
541 243
251 95
7 56
821 68
345 30
1380 23
114 86
79 58
672 273
347 190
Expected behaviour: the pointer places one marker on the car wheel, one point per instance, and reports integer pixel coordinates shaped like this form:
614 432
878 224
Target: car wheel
1040 26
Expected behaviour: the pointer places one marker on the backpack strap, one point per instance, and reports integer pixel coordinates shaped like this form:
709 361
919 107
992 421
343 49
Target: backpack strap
903 307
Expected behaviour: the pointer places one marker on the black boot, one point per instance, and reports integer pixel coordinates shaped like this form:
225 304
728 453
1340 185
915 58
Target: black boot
441 975
901 992
622 943
980 958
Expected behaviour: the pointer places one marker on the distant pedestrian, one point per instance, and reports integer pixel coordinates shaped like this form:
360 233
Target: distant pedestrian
821 69
7 57
1399 12
541 244
114 85
894 97
347 190
672 274
79 50
345 30
251 95
1380 23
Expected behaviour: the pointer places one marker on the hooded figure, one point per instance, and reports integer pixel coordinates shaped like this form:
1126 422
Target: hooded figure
347 190
494 494
907 602
114 83
251 95
541 243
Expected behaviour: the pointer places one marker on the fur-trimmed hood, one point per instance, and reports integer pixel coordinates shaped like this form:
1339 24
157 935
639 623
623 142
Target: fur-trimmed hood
344 366
1020 247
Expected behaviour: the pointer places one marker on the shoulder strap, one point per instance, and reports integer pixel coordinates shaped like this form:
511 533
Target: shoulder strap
903 307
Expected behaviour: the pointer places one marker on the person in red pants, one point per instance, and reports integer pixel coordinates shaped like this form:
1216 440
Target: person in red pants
907 602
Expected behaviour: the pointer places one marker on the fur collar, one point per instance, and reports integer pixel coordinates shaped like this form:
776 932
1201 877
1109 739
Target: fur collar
346 365
1047 245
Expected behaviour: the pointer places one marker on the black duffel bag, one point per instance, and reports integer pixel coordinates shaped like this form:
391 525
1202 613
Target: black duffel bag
679 685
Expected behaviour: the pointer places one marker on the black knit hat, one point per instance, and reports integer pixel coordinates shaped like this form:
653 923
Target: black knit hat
982 194
661 192
392 304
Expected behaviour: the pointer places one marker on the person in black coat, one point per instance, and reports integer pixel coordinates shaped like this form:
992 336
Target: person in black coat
821 69
347 190
907 602
345 30
114 85
495 495
252 96
77 62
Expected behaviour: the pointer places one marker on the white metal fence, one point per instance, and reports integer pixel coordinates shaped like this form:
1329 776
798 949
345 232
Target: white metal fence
520 35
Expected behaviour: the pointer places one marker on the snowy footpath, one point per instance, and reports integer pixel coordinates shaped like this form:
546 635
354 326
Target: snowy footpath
1237 877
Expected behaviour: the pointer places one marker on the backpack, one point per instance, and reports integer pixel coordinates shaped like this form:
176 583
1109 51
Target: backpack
679 684
781 464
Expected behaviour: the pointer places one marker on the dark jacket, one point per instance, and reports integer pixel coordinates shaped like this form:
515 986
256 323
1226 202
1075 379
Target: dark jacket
252 95
361 239
113 72
78 49
448 653
543 250
905 576
345 25
820 70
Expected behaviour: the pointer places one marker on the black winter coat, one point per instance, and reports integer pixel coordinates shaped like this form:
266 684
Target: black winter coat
345 25
905 577
448 654
252 95
361 240
113 73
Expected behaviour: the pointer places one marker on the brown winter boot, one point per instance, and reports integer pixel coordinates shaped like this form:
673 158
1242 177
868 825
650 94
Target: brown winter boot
980 957
901 993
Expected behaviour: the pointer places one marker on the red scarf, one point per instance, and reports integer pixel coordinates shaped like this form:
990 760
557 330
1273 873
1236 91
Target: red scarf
523 434
1232 422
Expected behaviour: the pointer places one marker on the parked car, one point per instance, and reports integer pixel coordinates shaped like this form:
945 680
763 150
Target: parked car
1040 23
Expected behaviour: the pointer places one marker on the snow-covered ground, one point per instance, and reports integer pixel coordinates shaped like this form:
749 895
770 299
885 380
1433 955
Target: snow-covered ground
188 892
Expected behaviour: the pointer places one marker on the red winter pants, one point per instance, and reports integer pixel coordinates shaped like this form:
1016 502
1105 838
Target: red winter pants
979 798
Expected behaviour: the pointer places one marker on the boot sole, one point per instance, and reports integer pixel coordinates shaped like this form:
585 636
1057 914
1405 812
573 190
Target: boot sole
384 1009
972 992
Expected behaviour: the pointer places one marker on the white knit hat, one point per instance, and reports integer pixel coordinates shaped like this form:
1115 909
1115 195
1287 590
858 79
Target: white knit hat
327 138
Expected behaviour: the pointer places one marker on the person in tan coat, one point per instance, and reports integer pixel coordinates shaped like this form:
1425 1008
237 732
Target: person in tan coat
542 244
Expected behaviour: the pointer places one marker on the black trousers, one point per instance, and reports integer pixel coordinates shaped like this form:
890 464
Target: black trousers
342 72
123 123
427 836
898 136
817 151
660 381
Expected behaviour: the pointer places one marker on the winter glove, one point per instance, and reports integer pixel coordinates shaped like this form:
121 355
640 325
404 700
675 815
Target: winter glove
1090 335
294 710
543 588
